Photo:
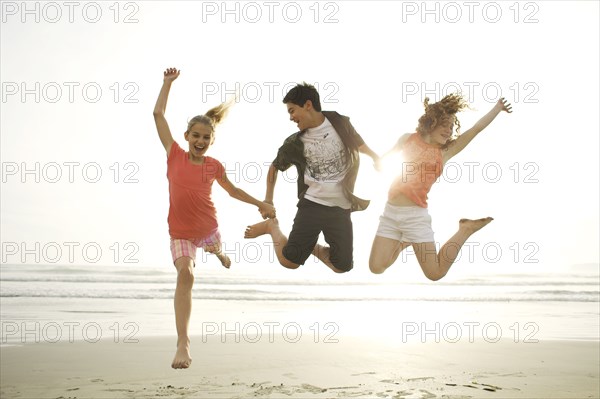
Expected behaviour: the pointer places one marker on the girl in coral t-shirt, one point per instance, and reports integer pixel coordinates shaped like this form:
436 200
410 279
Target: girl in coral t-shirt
192 215
405 220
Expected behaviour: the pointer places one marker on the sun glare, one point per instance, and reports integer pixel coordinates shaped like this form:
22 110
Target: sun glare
391 166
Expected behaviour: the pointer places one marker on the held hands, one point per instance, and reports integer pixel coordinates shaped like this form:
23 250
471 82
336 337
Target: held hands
504 105
267 211
171 74
378 164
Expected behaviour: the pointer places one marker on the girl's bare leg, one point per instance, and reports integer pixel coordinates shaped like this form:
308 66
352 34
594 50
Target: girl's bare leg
183 310
434 265
384 253
217 250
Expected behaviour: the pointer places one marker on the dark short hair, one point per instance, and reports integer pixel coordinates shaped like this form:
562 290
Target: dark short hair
301 93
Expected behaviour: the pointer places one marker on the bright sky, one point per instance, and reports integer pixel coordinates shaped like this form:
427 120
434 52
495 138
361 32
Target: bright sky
83 169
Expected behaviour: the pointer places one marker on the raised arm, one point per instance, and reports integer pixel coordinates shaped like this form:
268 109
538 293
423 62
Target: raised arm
267 210
164 133
464 139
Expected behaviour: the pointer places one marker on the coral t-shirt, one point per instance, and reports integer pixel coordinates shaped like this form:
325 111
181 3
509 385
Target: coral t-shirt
421 168
192 213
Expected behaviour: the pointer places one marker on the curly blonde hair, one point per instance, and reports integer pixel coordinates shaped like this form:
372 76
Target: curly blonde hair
213 116
439 113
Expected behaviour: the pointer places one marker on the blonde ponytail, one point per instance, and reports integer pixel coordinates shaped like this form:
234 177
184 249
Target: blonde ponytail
213 116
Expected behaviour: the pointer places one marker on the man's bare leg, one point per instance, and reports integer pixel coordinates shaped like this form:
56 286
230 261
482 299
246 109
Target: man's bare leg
271 227
323 254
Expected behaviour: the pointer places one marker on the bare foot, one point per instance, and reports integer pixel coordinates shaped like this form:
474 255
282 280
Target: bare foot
471 226
182 359
225 261
217 250
322 253
259 229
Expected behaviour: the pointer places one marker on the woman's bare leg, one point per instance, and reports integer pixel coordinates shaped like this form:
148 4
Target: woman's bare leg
384 253
434 265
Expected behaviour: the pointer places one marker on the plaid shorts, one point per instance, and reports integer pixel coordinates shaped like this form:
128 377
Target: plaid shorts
187 247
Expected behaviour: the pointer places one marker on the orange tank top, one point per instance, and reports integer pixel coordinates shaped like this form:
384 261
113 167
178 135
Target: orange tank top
421 167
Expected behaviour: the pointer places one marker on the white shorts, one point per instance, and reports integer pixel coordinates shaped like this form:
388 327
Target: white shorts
410 224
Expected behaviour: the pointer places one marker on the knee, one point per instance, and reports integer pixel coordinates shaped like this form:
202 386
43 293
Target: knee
434 276
340 271
341 263
289 252
378 263
185 276
341 267
289 265
376 268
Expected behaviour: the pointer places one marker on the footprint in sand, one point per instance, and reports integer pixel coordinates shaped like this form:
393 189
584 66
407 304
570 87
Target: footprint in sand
428 395
313 389
419 379
257 384
488 387
286 390
402 394
171 390
119 390
278 389
362 394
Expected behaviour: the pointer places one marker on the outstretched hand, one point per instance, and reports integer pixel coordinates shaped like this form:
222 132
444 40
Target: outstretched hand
171 74
267 211
504 105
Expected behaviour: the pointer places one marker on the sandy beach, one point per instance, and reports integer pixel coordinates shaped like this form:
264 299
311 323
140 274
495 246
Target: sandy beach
122 348
283 349
105 347
351 367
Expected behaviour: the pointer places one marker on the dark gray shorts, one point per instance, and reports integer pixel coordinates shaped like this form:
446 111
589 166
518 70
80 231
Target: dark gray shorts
312 219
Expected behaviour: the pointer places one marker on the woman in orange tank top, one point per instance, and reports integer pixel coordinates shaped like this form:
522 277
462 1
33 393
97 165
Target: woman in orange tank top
405 220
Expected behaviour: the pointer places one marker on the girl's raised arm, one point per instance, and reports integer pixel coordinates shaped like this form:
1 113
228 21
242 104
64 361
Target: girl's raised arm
164 133
461 142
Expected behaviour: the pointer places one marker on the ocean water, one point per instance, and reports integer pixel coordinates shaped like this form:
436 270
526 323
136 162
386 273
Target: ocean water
24 281
58 303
